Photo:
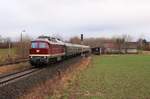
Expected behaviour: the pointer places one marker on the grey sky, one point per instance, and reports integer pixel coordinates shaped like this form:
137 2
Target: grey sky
94 18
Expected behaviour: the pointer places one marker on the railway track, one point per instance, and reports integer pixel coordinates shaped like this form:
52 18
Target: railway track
18 86
8 78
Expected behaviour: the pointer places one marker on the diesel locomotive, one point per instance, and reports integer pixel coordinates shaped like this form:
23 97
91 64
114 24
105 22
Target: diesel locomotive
45 50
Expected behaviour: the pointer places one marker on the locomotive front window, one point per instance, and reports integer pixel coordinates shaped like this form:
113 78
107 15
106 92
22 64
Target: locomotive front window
34 45
39 45
43 45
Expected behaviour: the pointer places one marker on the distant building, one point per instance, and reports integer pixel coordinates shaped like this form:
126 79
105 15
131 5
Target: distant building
97 50
130 48
114 48
111 47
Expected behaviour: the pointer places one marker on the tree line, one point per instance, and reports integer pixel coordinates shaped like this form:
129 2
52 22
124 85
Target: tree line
121 42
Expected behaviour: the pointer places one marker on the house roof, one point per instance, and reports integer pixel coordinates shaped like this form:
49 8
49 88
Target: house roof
110 45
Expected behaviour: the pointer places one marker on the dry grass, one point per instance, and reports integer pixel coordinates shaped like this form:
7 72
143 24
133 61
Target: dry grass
146 52
15 67
4 54
55 88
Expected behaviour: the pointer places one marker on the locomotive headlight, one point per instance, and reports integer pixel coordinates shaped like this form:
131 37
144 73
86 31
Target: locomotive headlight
45 56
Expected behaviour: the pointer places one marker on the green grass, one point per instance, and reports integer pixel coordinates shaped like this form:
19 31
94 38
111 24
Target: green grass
114 77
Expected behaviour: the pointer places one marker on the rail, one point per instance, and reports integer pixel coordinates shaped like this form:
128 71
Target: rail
5 79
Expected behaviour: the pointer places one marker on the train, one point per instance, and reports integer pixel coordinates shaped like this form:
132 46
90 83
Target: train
45 50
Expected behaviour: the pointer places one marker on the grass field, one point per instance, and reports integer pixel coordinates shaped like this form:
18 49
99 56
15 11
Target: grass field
4 54
113 77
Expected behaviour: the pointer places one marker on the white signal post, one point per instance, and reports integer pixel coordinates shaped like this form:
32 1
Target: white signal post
22 40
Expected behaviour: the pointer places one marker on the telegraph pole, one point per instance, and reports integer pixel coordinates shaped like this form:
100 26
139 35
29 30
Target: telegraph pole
21 40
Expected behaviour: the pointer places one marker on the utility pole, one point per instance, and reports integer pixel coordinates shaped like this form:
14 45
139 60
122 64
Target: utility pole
21 37
21 40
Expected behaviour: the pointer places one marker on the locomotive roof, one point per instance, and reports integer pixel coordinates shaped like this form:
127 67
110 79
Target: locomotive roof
51 41
57 41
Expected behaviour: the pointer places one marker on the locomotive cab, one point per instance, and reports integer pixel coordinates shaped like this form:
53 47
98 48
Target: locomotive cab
45 50
39 52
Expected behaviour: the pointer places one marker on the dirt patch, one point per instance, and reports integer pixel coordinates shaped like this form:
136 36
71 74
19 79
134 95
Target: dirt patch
54 88
13 68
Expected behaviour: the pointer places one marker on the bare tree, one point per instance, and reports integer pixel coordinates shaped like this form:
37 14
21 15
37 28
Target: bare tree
127 39
142 44
75 40
120 42
23 47
123 42
97 42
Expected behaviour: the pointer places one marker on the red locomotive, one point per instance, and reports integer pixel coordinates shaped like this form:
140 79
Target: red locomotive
47 49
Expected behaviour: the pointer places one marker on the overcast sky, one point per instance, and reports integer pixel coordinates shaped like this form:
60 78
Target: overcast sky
93 18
